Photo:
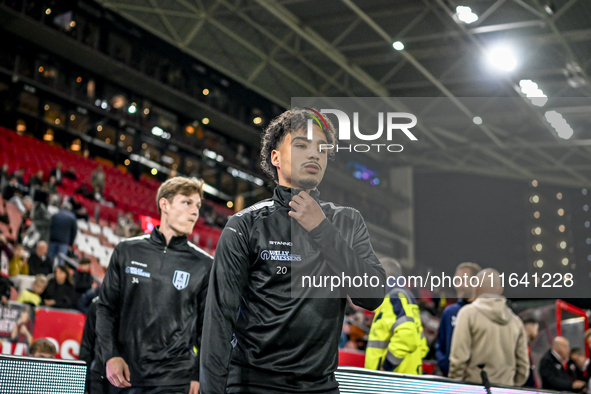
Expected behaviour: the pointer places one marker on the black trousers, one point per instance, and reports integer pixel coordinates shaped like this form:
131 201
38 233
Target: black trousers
97 384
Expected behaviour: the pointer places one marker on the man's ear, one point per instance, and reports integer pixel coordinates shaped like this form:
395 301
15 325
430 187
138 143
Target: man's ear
164 204
275 157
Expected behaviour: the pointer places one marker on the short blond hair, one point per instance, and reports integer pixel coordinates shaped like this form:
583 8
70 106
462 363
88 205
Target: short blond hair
41 279
178 185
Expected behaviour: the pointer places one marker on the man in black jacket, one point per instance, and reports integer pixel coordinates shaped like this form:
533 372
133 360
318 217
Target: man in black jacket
39 262
95 383
150 308
264 331
554 370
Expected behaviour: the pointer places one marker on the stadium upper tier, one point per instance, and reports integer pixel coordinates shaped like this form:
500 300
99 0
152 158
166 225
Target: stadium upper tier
126 193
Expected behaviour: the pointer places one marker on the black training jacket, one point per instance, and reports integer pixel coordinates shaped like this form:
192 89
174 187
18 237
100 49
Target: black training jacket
281 344
150 308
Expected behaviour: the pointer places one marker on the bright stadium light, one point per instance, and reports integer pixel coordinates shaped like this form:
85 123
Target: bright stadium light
398 45
465 14
157 131
533 92
502 57
559 124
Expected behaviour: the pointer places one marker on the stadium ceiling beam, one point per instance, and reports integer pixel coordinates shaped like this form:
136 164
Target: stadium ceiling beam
330 80
150 10
283 45
484 16
293 22
419 67
448 34
476 79
165 22
563 41
114 6
563 9
236 37
426 73
582 35
508 80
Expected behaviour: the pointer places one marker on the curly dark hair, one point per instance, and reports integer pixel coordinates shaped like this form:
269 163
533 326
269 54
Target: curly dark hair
292 119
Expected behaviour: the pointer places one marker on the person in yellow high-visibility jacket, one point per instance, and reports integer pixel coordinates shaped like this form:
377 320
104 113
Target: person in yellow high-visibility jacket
396 340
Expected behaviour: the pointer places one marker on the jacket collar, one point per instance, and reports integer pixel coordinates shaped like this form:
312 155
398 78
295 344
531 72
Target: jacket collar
557 356
158 238
284 194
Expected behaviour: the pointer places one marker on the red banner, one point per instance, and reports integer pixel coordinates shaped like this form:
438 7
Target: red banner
63 327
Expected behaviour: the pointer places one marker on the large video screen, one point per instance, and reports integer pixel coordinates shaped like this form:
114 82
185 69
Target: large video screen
32 375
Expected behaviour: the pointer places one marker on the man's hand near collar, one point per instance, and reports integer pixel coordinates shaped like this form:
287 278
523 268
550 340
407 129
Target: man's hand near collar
306 211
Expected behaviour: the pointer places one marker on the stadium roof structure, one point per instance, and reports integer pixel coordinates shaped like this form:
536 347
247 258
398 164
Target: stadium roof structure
344 48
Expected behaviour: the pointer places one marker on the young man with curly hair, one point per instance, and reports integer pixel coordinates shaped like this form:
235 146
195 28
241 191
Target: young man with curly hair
258 337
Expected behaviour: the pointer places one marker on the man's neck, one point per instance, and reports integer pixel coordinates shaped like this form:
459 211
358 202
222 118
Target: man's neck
289 185
168 232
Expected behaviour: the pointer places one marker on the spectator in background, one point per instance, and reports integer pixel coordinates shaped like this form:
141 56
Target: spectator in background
554 370
97 180
488 332
24 205
465 295
4 172
588 338
531 333
82 278
12 189
36 181
85 191
18 263
71 173
579 363
42 348
78 209
20 176
6 254
51 186
84 301
33 296
5 289
57 173
126 226
60 292
53 204
21 331
39 262
396 341
62 231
